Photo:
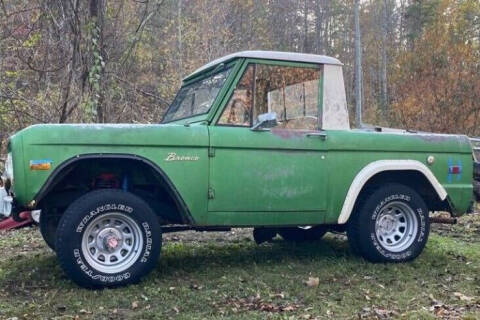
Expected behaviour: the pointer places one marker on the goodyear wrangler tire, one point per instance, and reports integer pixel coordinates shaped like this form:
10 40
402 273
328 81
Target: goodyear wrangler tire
390 224
108 238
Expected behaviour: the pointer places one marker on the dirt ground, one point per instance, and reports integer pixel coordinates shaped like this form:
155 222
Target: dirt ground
466 229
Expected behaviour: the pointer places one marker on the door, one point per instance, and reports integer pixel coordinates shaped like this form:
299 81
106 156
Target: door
273 176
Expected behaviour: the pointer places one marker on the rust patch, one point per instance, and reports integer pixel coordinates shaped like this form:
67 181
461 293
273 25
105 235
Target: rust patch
289 134
442 137
434 137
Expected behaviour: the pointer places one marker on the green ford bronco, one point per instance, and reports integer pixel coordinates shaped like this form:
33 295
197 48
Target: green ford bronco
254 139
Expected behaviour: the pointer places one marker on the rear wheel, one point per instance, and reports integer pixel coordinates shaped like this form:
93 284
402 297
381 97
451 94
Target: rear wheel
390 224
108 238
300 234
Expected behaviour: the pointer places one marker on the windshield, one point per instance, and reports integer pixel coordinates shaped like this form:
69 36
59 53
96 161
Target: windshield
196 98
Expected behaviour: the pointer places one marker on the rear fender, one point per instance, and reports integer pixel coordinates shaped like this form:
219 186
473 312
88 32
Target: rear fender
381 166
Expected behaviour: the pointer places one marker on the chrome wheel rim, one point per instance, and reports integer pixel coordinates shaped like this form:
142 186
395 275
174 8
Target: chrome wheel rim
396 226
112 243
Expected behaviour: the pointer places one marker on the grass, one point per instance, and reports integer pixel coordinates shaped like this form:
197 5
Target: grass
238 279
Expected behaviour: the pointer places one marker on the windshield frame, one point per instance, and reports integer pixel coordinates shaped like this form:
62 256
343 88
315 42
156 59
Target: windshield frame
210 73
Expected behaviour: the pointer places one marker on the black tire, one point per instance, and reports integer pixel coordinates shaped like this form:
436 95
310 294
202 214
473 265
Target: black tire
298 234
389 200
82 215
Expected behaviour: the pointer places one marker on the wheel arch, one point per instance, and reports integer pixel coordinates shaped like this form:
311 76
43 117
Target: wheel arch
68 165
405 171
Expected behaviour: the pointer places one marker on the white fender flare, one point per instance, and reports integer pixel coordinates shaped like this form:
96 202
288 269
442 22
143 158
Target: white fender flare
385 165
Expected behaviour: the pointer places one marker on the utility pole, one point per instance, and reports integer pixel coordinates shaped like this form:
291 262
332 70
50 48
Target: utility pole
358 68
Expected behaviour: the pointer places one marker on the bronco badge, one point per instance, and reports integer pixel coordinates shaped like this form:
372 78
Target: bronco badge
172 156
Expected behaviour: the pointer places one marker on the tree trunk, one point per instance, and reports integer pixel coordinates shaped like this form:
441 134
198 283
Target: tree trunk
319 32
384 92
96 15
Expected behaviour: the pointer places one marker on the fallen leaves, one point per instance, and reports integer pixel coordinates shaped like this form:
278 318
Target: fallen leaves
278 295
195 286
445 311
134 305
84 311
312 282
450 311
462 297
256 303
283 292
377 313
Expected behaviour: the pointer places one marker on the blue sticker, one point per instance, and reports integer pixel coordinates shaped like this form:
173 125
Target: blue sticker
42 161
454 170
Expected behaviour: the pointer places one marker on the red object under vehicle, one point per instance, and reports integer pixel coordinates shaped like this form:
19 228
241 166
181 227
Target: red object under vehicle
105 180
9 223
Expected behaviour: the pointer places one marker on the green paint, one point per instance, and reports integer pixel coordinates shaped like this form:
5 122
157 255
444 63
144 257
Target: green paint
257 177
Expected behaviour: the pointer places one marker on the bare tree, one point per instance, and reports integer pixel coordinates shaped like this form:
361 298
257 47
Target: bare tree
385 30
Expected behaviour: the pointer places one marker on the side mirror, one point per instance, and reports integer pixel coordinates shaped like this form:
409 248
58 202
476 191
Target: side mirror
265 121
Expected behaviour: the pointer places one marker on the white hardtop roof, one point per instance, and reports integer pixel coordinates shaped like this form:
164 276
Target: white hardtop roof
270 55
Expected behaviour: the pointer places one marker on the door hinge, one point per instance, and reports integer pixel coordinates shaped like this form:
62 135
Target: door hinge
211 193
211 152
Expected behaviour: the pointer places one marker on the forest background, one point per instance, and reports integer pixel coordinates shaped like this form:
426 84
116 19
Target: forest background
70 61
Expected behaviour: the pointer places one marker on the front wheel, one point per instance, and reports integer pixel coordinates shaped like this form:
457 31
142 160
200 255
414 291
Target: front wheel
108 238
390 224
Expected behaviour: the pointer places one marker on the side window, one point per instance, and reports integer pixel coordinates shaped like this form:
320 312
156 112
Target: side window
291 92
239 109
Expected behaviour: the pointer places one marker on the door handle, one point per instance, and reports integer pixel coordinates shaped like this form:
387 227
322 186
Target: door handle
321 135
